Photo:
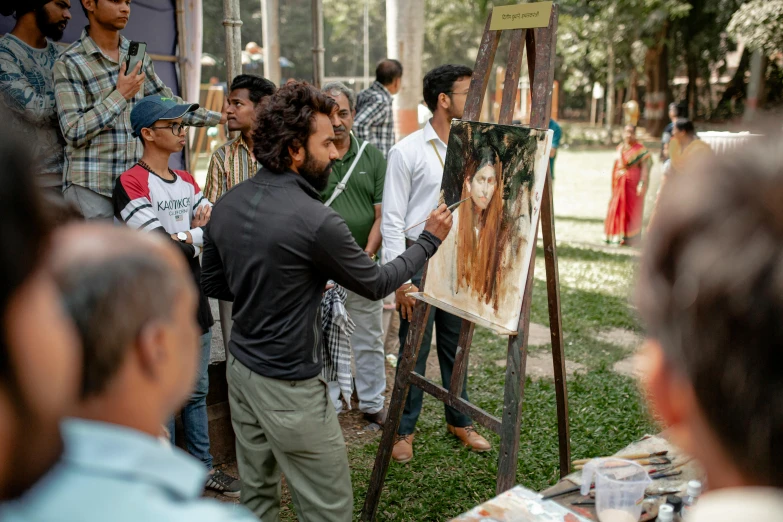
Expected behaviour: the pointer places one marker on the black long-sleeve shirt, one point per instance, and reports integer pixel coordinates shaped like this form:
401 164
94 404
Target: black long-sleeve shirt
270 247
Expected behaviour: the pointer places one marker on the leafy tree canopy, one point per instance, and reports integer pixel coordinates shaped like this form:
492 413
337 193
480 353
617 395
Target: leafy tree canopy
760 24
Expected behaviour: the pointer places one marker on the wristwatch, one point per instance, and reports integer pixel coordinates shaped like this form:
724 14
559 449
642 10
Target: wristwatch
182 236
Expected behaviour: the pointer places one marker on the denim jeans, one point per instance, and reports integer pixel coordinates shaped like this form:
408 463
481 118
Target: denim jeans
194 413
447 338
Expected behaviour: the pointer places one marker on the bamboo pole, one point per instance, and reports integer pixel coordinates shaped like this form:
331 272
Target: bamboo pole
182 61
233 25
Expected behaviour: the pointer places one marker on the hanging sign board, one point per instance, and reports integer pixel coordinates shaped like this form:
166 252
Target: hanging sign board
522 16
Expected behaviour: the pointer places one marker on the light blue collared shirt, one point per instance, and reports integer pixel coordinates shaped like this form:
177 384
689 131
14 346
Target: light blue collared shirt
113 473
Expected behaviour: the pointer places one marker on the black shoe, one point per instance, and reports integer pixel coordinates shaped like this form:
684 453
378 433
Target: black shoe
378 418
224 484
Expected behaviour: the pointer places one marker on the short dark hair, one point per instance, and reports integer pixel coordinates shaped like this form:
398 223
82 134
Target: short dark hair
258 87
287 119
711 293
674 107
685 125
25 231
110 300
441 80
387 71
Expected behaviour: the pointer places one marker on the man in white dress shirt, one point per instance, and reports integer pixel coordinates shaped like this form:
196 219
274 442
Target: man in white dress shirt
711 295
411 191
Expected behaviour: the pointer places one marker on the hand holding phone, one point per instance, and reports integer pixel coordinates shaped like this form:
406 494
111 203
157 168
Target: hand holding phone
131 79
130 84
136 52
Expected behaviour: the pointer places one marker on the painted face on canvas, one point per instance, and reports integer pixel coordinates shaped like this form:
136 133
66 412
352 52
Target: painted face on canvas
482 186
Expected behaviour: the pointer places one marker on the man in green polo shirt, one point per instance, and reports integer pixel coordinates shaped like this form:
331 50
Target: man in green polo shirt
354 191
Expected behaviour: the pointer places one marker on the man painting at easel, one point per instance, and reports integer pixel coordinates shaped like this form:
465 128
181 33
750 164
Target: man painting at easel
413 180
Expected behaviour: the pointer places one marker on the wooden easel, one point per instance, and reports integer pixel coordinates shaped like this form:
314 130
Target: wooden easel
540 44
214 102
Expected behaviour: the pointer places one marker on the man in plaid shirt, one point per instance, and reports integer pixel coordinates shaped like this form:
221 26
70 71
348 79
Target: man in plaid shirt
94 101
374 115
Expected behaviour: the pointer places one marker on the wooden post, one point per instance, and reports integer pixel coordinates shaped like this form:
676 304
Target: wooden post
318 42
270 12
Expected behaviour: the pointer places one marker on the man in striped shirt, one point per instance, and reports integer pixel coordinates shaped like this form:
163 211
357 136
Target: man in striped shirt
94 98
234 162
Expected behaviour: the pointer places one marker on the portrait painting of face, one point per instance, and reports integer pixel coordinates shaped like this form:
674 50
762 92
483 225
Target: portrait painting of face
479 271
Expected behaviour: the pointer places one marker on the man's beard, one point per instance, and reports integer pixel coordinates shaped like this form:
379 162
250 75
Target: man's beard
51 30
316 173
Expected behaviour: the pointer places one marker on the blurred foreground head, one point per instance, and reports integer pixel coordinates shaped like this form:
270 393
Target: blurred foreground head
711 294
133 301
39 355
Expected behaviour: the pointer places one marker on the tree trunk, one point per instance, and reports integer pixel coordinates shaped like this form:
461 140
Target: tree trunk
610 86
708 91
656 66
633 87
735 90
405 42
692 93
756 88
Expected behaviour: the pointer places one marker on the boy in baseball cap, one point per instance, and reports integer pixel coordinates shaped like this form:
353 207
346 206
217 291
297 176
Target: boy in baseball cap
152 197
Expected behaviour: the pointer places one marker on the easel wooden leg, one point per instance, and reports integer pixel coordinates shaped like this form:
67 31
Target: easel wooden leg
541 48
405 367
556 327
461 359
201 134
514 391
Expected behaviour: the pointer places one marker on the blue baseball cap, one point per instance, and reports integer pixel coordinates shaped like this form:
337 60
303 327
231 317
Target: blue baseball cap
154 108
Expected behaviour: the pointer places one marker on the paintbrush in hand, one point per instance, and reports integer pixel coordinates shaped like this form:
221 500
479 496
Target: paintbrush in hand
451 207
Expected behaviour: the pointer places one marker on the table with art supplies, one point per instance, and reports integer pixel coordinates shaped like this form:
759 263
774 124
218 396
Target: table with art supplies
658 470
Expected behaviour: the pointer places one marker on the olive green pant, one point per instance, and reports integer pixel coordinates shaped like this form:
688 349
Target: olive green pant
289 427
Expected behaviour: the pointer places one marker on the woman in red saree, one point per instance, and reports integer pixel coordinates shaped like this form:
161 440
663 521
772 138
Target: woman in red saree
630 178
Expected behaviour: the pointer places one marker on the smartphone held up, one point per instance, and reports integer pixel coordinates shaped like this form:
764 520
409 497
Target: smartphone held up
136 52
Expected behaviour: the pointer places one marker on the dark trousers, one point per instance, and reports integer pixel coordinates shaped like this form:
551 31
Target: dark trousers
446 338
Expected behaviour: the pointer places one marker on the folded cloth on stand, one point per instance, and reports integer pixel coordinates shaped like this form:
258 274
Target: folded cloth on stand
337 327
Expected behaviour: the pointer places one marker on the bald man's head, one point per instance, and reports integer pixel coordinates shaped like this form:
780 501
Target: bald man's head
115 283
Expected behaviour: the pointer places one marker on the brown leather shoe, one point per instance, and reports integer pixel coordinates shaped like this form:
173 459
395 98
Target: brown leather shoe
403 448
470 438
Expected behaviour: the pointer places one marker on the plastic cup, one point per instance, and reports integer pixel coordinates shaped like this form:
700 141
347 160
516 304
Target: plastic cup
619 488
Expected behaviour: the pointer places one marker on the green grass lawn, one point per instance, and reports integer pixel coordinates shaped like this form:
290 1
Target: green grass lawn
606 410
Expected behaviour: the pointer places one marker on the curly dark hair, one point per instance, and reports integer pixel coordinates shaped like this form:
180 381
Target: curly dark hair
287 119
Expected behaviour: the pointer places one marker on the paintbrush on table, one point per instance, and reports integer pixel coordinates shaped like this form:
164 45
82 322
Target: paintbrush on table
656 461
451 207
631 456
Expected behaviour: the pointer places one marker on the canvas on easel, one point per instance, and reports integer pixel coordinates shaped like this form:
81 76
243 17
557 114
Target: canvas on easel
497 172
